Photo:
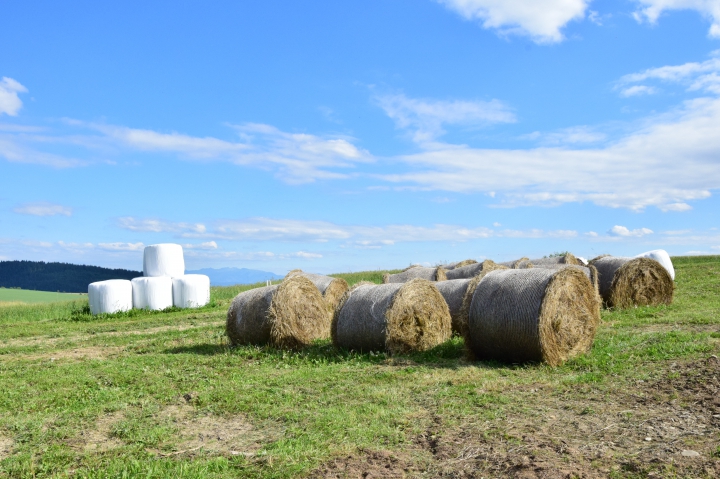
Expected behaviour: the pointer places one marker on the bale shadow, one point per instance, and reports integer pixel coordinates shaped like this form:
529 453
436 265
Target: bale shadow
200 349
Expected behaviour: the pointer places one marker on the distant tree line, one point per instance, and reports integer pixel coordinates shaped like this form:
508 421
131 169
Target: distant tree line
63 277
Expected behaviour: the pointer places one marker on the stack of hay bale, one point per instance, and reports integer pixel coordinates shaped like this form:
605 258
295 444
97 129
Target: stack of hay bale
163 284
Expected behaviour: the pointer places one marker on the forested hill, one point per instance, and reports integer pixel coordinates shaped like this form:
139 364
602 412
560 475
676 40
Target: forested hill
63 277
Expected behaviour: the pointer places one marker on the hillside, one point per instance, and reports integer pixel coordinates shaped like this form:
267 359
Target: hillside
63 277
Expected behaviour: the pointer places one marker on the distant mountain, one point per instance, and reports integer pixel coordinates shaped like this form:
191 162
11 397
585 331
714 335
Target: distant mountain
231 276
63 277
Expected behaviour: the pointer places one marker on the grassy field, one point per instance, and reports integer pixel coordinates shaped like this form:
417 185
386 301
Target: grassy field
14 296
159 394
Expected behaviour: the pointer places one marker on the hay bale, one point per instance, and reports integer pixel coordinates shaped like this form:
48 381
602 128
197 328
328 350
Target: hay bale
154 293
164 259
471 270
110 296
567 258
453 292
414 272
533 314
191 291
458 264
516 264
393 317
290 315
332 289
662 257
627 282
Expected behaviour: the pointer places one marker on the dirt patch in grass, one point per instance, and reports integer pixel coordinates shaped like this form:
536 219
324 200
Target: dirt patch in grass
368 465
669 427
98 438
6 447
215 435
78 354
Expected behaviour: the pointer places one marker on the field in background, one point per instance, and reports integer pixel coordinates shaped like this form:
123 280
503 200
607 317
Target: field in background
159 394
11 295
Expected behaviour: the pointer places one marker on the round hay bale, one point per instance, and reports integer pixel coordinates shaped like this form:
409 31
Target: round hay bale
458 264
165 259
110 296
152 292
191 291
290 315
462 321
430 274
471 270
662 257
516 263
567 258
394 317
534 314
626 282
332 289
453 292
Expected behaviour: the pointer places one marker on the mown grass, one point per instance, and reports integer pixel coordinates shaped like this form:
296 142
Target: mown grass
308 406
14 295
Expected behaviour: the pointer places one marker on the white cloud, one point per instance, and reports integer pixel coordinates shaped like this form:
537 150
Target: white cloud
676 207
574 135
17 153
10 103
638 90
652 9
425 118
159 226
625 232
43 209
670 160
208 245
122 246
539 19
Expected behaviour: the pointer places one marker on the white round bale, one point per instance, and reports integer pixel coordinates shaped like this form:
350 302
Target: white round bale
164 259
152 293
662 257
110 296
191 291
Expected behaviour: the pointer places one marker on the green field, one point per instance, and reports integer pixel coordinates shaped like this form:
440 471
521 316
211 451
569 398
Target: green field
159 394
11 295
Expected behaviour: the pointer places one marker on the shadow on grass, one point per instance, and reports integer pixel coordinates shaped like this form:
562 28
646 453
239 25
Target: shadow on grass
200 349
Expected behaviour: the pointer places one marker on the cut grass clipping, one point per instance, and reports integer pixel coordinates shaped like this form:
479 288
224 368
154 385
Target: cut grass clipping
471 270
532 315
332 289
414 272
290 315
394 317
628 282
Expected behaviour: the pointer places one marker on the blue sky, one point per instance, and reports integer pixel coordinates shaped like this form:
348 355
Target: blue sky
344 136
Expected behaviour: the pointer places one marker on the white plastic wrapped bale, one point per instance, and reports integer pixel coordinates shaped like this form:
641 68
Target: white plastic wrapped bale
110 296
662 257
163 260
154 293
191 291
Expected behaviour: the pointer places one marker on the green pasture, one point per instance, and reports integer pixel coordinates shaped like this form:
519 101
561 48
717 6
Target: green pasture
11 295
157 394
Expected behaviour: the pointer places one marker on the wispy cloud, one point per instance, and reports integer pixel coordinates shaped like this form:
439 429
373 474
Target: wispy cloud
425 118
10 102
159 226
638 90
695 76
43 209
625 232
652 9
542 21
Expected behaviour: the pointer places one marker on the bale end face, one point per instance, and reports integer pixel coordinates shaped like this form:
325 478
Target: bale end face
297 314
641 282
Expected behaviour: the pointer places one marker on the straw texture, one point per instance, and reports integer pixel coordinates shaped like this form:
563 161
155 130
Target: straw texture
290 315
534 314
453 292
567 258
458 264
394 317
332 289
414 272
627 282
471 270
516 264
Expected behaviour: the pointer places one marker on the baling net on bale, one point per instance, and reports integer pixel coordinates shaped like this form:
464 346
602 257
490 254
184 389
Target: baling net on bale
471 270
516 264
532 314
627 282
393 317
290 315
453 292
457 264
332 289
567 258
415 272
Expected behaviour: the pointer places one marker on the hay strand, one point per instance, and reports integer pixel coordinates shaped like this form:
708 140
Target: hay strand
536 314
394 317
516 263
290 315
626 282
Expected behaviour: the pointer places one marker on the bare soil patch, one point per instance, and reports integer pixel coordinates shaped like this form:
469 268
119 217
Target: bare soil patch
98 438
6 447
78 354
215 435
368 465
